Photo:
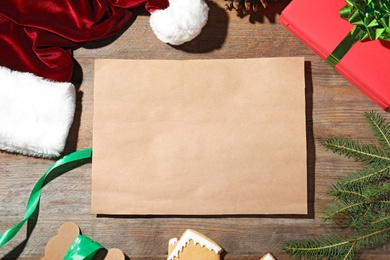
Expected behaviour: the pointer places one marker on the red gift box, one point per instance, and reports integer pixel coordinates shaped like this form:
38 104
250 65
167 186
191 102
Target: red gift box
319 25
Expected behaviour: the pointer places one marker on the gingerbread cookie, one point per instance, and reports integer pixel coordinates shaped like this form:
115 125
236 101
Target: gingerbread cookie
59 246
193 246
268 256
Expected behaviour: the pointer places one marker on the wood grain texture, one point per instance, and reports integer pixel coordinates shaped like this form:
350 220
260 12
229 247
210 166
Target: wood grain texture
334 107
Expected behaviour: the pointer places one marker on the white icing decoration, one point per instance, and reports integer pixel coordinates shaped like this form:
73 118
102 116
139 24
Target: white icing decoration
268 257
197 239
172 241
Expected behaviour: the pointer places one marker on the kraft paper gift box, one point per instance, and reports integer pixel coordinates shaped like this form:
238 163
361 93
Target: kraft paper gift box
199 137
319 25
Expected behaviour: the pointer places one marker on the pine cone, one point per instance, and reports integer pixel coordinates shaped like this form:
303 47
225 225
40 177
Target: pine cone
244 6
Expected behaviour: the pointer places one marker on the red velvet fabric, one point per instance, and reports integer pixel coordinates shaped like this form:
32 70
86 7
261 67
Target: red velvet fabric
38 35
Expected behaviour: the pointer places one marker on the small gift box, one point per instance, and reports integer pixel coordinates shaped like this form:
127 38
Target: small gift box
351 35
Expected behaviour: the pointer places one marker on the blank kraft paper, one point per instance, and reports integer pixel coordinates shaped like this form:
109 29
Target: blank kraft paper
199 137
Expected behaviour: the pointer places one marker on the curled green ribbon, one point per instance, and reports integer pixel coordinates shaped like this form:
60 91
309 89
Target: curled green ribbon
370 20
59 167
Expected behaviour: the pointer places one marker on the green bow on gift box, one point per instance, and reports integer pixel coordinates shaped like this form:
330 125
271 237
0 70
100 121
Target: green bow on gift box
370 20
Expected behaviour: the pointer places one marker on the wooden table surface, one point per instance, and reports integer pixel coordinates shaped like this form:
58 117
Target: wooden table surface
334 107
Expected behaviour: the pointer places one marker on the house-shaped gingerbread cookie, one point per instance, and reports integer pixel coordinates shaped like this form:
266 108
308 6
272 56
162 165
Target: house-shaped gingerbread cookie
193 246
268 256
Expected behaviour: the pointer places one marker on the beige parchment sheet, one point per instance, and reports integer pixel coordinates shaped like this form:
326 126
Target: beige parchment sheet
199 137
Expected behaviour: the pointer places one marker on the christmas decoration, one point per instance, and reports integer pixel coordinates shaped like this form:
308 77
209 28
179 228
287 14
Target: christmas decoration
244 6
193 245
268 256
37 98
35 114
364 63
69 244
362 199
370 20
59 167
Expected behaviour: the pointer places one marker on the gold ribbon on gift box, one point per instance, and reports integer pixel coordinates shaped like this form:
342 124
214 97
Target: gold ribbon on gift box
370 20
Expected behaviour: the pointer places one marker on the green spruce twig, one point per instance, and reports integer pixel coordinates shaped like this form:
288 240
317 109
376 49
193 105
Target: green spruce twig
361 199
337 247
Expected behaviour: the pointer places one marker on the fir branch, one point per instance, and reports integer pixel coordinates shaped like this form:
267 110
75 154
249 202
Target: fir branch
380 128
371 219
352 194
381 220
319 248
350 253
347 193
335 247
362 199
338 209
352 206
370 237
362 177
361 152
366 219
378 191
356 210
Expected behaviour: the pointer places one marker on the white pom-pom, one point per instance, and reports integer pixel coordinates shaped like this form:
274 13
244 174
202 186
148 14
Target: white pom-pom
182 21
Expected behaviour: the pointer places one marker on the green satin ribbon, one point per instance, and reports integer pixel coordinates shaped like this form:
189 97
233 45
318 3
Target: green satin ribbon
59 167
370 20
82 248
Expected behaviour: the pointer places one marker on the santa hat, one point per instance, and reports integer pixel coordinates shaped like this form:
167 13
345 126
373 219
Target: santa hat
37 98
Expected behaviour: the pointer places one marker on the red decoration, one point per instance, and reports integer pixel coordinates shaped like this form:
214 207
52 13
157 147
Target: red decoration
319 25
38 36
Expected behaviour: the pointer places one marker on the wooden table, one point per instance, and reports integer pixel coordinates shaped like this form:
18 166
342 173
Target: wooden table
334 107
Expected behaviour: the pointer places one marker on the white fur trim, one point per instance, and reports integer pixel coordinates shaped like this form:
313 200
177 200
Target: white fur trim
35 113
182 21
